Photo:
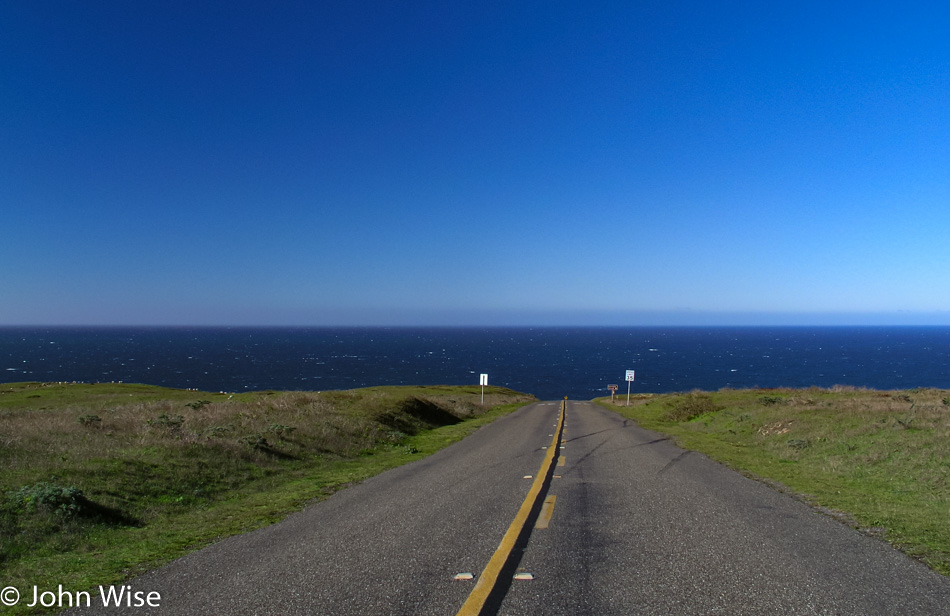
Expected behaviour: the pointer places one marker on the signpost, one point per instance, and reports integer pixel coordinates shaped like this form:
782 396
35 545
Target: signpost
483 381
613 390
629 380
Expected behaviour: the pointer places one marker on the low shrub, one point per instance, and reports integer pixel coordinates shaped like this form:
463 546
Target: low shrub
690 406
217 431
90 421
171 422
280 429
44 497
799 443
255 441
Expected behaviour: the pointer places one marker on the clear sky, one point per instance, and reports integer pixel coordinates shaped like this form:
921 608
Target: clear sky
484 163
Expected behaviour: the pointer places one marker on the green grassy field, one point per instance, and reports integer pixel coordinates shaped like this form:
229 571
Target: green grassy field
878 460
101 482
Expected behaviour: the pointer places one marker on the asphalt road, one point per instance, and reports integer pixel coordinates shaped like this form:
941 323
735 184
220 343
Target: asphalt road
638 526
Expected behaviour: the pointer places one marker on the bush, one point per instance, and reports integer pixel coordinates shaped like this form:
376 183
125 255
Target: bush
91 421
691 406
67 502
217 431
170 422
280 430
395 436
799 443
255 441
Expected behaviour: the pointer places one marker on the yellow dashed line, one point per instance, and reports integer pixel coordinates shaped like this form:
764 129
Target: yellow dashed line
489 577
547 510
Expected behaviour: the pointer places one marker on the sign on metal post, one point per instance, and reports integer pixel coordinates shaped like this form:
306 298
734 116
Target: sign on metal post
613 390
630 374
483 381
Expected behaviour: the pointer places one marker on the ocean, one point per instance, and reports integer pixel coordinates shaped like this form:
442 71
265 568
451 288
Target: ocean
549 362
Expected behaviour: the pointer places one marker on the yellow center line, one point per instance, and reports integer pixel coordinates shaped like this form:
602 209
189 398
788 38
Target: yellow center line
489 577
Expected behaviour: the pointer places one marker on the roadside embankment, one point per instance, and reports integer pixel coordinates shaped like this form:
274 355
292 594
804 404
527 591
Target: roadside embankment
99 482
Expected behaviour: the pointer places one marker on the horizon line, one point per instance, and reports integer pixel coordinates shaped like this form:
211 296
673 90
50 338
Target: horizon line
527 318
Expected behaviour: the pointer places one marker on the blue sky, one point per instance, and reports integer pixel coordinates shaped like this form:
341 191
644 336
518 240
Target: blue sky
318 163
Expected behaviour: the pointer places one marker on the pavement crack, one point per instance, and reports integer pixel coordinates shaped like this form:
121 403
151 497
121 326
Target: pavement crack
673 462
653 442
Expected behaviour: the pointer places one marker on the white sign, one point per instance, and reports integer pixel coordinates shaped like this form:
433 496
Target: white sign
483 380
630 375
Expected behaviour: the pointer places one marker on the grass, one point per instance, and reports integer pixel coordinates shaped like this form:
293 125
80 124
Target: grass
101 482
879 460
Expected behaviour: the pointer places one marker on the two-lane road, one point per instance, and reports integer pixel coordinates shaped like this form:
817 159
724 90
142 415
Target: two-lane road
638 526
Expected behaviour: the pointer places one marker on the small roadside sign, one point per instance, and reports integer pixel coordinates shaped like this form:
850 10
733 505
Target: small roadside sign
483 381
613 390
629 380
630 374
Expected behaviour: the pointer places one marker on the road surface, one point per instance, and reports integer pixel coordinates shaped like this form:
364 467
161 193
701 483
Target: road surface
638 526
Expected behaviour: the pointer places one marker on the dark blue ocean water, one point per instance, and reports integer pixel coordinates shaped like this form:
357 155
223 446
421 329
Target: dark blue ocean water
548 362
